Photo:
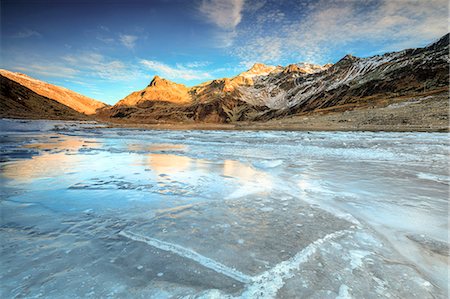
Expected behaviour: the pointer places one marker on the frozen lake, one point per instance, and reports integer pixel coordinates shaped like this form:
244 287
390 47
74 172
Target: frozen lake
97 212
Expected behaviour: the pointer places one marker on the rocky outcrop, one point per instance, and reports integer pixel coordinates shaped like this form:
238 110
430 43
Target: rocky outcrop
62 95
17 101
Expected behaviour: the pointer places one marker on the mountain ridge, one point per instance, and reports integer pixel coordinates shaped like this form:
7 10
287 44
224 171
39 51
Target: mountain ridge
164 90
266 92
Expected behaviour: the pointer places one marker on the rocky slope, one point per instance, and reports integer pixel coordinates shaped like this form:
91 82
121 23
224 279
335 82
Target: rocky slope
268 92
356 81
213 101
62 95
17 101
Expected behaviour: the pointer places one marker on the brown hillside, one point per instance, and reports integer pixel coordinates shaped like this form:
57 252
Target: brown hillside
17 101
62 95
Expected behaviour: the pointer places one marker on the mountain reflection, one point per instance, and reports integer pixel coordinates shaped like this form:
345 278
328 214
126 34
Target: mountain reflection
170 164
52 161
233 178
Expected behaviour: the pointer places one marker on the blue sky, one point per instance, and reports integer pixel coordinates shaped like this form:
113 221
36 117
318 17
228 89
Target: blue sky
106 49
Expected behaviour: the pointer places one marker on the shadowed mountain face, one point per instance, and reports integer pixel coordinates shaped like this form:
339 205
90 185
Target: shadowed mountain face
17 101
62 95
266 92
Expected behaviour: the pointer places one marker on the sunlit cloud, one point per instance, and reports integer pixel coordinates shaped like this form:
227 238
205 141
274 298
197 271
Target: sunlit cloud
177 72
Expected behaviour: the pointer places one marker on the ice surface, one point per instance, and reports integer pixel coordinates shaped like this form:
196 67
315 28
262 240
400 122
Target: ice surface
88 211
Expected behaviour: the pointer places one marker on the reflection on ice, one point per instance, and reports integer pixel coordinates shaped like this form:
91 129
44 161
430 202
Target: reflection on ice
165 164
250 180
40 167
94 212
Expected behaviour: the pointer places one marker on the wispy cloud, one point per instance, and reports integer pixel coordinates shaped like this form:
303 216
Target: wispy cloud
195 64
128 41
98 66
254 5
328 26
88 65
107 40
48 70
104 28
88 72
388 21
267 49
225 15
26 33
173 73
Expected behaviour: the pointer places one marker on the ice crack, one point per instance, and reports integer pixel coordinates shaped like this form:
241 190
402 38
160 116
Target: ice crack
189 254
267 284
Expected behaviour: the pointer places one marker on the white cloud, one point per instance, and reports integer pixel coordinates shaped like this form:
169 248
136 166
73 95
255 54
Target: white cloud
226 14
195 64
26 33
47 69
275 16
100 67
267 49
87 65
128 41
224 39
254 5
328 26
173 73
399 21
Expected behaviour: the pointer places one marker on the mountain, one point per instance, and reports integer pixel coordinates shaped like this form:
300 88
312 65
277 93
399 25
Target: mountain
17 101
62 95
159 89
353 80
268 92
210 101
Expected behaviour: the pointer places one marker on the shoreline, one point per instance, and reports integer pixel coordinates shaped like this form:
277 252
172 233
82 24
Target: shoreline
413 114
271 127
255 126
426 113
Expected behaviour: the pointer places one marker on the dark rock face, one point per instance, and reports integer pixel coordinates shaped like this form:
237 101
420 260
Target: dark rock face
17 101
350 83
